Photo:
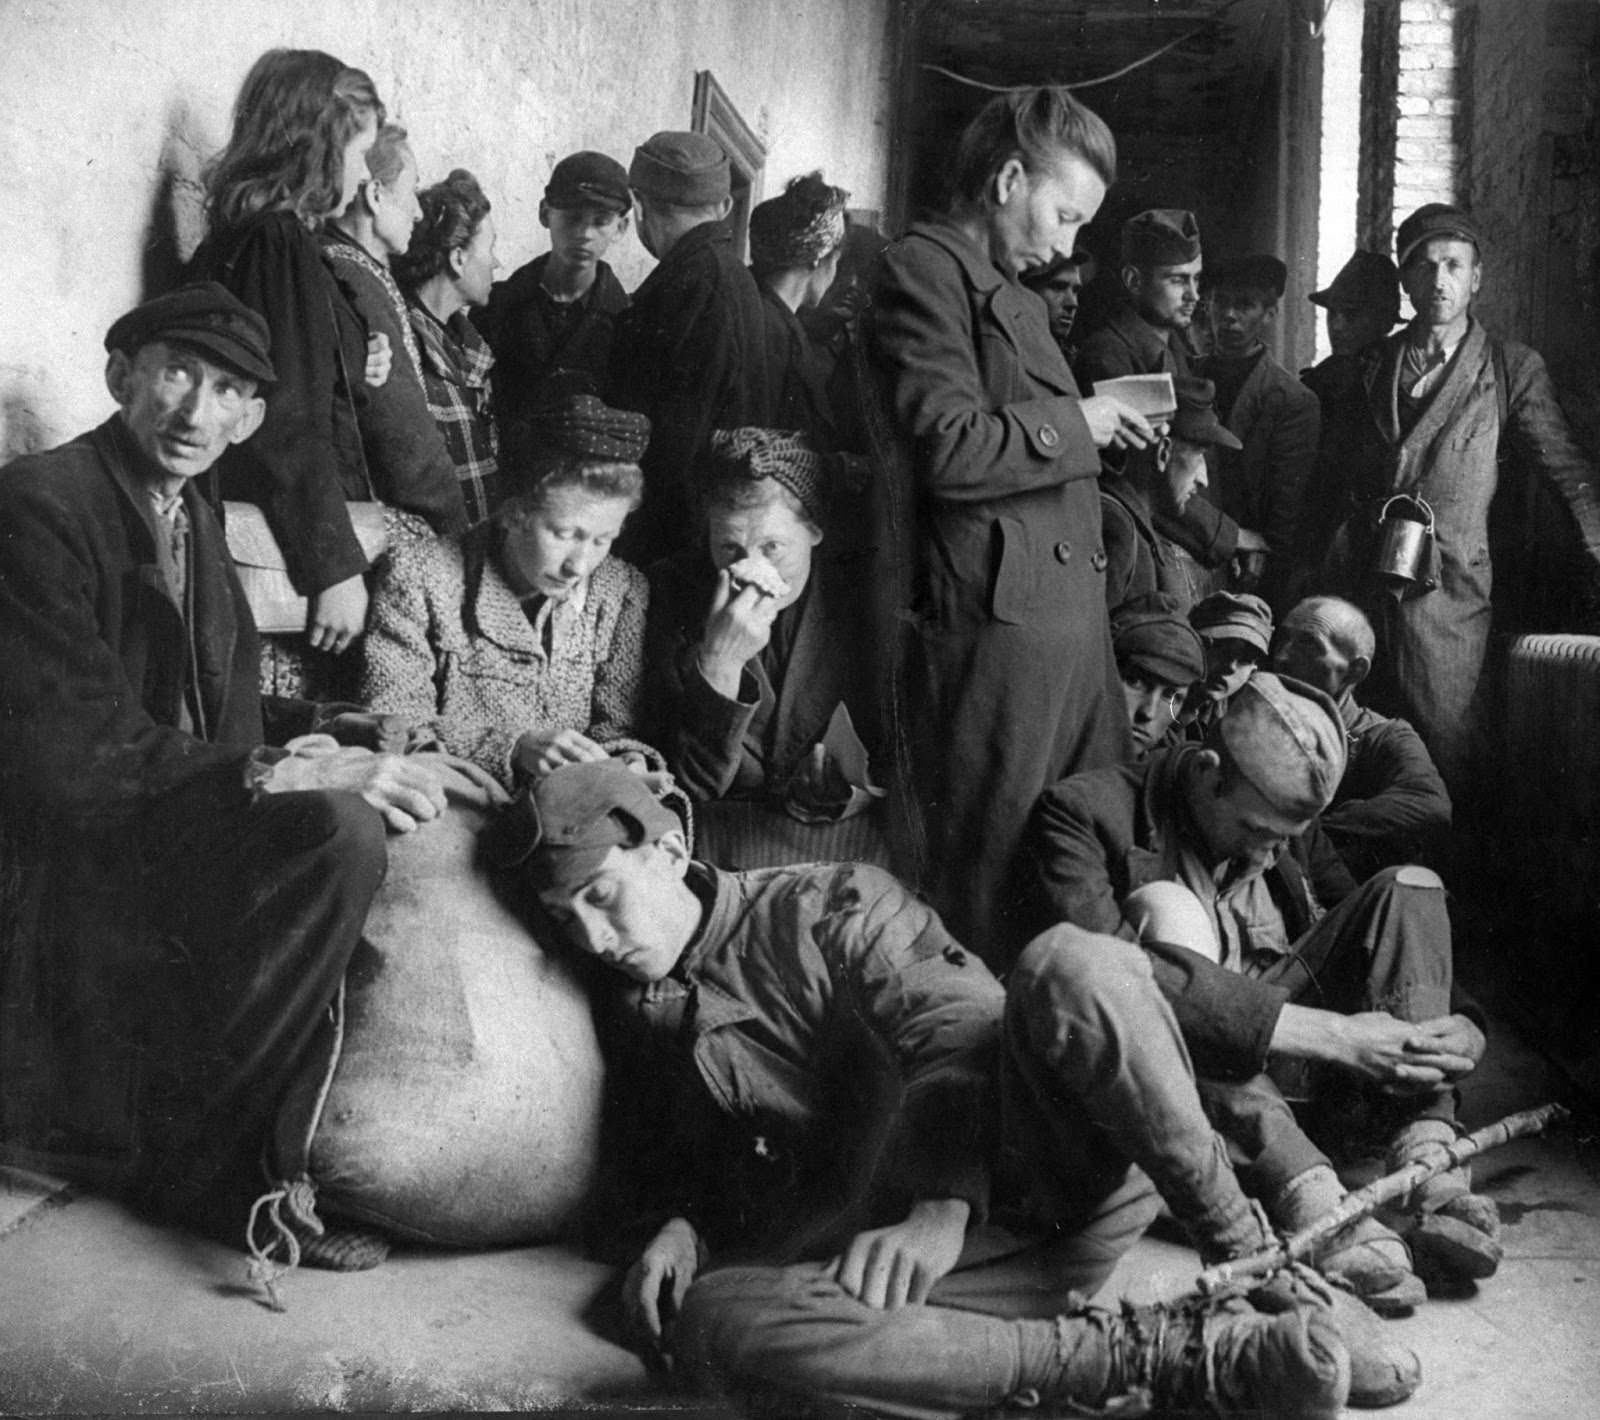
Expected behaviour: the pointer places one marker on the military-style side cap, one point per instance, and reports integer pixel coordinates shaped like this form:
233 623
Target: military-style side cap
689 169
1286 739
563 826
1149 634
206 316
1257 272
1432 222
1236 615
1369 278
1163 236
589 179
1196 420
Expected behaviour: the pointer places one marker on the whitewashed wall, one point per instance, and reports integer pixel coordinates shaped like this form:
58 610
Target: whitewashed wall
108 111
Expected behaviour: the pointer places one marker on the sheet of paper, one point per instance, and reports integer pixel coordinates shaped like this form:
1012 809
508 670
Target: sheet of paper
844 747
1152 395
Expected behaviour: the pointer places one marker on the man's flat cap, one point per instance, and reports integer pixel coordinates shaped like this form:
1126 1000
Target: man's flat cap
1196 420
1237 616
1286 739
1259 272
1042 277
208 318
1163 236
688 169
589 180
1149 634
1369 278
1434 222
563 826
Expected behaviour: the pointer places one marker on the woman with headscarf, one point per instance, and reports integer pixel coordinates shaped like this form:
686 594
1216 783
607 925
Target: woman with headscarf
520 644
447 270
795 241
760 675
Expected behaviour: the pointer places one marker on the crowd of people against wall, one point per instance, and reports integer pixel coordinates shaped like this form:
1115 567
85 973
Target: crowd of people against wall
873 556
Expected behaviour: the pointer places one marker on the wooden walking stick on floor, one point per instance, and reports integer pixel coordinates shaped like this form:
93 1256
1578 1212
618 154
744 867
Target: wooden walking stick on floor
1299 1246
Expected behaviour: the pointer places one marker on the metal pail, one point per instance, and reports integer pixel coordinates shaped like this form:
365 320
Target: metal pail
1405 534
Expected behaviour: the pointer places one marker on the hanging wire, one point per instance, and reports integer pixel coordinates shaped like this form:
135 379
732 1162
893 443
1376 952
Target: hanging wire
1154 54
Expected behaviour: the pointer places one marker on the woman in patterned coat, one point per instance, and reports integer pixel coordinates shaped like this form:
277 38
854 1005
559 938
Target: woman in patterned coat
520 644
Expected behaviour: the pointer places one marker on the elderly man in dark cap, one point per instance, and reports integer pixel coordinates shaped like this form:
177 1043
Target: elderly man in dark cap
1159 656
1306 978
1363 305
795 243
1446 416
1148 335
191 896
691 351
762 677
1160 482
550 323
1274 417
852 1169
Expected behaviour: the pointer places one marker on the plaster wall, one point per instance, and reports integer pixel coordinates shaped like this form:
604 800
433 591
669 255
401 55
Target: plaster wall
111 111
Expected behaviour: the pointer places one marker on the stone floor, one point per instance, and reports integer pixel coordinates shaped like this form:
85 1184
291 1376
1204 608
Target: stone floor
101 1313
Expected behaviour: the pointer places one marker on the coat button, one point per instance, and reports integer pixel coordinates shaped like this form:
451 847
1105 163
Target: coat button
1048 436
1063 550
1099 560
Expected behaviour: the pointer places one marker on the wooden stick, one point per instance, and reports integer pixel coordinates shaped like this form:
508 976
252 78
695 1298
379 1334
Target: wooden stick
1364 1201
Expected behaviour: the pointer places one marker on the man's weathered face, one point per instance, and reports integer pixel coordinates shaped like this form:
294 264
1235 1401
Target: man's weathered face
1240 319
1166 295
581 236
626 912
1238 823
1306 649
1441 278
181 409
1186 473
1037 214
1061 300
1352 328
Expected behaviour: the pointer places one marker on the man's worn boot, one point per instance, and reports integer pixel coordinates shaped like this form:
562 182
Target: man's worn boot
1369 1259
1454 1233
1204 1355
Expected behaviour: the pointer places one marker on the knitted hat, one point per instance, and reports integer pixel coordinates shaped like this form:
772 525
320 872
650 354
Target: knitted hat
1287 741
209 318
688 169
1163 236
788 459
583 426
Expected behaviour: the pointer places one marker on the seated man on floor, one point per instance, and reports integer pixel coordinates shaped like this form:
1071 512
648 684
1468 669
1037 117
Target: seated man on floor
187 898
1391 806
1284 975
1159 657
1160 480
759 668
862 1172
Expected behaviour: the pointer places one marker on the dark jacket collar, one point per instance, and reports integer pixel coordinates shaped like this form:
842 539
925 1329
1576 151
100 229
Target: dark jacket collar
977 265
1153 346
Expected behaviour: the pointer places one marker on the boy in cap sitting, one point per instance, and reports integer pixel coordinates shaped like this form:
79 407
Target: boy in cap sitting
1159 482
869 1175
194 879
550 323
1311 980
691 351
1261 483
1159 656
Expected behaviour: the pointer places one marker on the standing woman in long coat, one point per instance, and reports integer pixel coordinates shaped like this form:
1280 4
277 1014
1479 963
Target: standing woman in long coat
1009 681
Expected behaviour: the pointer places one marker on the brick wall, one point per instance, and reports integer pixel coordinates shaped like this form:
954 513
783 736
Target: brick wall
111 110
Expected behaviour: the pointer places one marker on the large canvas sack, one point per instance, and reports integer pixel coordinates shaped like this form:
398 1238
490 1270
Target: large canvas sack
456 1098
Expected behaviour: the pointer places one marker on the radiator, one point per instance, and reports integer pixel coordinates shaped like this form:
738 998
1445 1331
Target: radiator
1552 738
